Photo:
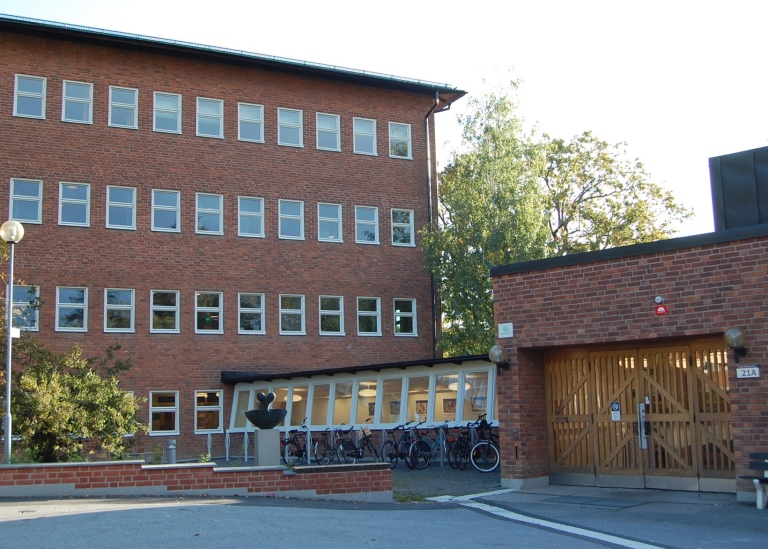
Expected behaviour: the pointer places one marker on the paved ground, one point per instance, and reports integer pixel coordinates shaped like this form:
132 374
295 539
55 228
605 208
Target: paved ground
441 481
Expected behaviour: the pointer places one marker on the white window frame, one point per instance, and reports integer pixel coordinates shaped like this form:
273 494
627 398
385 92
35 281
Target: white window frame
32 95
164 308
335 131
64 202
131 307
286 311
360 223
241 214
215 310
122 205
281 124
127 106
83 306
331 312
174 409
27 198
376 314
393 140
324 219
217 212
22 305
411 314
66 100
356 134
207 116
163 208
399 225
241 119
290 217
203 408
250 310
176 112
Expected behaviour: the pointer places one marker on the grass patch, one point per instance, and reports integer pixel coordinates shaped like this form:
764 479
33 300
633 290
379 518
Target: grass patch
401 497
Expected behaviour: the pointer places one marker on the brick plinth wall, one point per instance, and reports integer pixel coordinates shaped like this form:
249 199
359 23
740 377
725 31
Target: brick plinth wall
365 482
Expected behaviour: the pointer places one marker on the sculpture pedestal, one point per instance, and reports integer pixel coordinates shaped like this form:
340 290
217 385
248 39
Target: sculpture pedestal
266 447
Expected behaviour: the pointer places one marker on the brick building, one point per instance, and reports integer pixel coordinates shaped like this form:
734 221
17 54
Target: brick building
594 350
219 211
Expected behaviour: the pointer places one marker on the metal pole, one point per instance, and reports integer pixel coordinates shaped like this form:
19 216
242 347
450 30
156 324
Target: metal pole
9 306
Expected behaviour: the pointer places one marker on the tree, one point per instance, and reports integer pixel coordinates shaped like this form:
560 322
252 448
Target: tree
509 196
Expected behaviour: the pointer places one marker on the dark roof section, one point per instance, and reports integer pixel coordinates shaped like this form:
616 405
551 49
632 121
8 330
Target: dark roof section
13 23
719 237
247 377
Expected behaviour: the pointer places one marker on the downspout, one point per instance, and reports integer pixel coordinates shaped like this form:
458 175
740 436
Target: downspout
429 218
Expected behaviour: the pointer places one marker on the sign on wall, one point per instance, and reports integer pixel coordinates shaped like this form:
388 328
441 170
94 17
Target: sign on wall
506 330
747 371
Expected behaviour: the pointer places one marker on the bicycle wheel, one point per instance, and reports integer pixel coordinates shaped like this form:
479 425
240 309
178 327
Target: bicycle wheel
347 452
420 454
323 452
389 454
451 454
485 456
291 453
461 455
372 449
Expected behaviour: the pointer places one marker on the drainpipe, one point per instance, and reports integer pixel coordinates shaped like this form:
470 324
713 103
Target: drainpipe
429 218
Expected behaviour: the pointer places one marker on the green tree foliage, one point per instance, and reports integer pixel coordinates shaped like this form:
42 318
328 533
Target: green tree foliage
509 196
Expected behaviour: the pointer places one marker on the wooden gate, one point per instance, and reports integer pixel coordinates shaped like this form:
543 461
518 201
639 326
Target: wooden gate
649 417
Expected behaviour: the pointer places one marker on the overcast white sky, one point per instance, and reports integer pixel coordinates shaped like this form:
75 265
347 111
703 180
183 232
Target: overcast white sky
679 81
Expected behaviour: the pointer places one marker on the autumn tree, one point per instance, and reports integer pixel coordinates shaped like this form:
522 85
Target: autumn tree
508 196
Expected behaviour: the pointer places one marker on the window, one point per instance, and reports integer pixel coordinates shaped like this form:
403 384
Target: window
71 309
123 107
329 222
119 309
289 128
402 228
250 122
208 313
209 214
208 411
26 300
291 314
366 225
29 98
250 216
331 315
251 313
27 200
121 208
291 219
368 316
165 211
365 135
399 140
74 204
163 412
328 132
210 114
165 311
405 317
78 102
167 113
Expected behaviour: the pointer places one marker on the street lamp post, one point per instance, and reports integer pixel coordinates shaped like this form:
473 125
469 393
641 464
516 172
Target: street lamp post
12 232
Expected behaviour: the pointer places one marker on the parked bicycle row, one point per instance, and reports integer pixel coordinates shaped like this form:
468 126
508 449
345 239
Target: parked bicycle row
415 445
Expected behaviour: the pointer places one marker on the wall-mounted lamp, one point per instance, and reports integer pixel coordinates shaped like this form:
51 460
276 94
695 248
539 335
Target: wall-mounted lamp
498 356
735 339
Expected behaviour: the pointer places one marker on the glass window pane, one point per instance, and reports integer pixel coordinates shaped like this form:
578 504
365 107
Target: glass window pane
70 317
342 403
319 415
208 107
74 192
122 196
119 297
329 230
167 102
290 208
208 222
30 106
208 202
168 199
72 295
74 213
250 111
242 405
365 214
119 319
250 205
250 301
77 111
164 320
24 210
366 400
290 117
164 299
390 401
119 216
250 131
418 395
290 135
364 126
364 143
209 126
208 300
29 85
368 324
368 305
327 140
26 188
446 389
165 219
127 97
290 227
167 121
475 395
299 405
250 322
77 91
329 210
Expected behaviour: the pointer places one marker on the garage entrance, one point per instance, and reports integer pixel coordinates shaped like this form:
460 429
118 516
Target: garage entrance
656 417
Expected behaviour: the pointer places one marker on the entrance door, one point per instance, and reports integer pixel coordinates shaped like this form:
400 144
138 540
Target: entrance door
651 417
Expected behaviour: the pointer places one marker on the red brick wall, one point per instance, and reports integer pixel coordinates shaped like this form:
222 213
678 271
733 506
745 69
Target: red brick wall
51 255
372 482
708 288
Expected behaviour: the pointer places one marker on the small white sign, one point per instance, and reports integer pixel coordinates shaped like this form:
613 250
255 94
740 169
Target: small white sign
15 333
615 411
506 330
748 371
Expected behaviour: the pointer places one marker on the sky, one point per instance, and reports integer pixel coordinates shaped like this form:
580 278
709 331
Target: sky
677 81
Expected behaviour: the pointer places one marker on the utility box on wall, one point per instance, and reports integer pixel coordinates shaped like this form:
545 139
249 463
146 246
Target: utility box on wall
739 184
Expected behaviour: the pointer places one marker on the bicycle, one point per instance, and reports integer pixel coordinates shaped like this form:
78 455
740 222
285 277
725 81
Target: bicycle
423 449
397 448
324 451
485 456
460 448
294 446
349 452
